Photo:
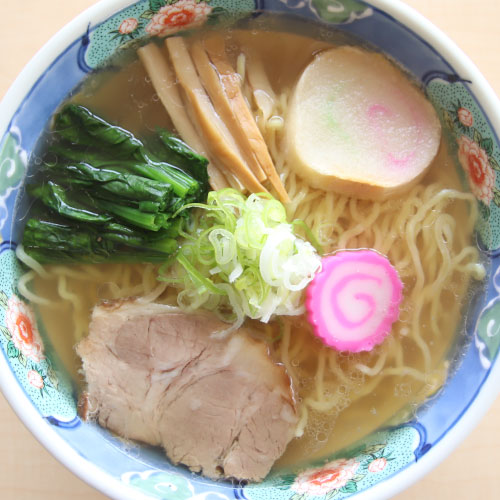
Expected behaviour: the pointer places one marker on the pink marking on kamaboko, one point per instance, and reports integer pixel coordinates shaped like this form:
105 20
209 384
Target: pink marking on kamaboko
376 114
354 300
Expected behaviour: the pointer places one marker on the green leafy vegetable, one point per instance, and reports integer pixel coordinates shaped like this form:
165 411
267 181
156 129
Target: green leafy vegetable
145 220
80 126
66 203
183 156
101 195
54 236
114 181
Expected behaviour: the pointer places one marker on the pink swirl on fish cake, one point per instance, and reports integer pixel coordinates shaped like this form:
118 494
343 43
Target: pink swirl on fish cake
353 302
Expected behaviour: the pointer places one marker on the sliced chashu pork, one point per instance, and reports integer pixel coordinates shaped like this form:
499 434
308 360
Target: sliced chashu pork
155 374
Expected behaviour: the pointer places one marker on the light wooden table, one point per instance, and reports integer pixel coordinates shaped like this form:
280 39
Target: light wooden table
28 472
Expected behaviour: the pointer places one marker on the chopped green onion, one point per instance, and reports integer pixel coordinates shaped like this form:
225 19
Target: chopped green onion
243 249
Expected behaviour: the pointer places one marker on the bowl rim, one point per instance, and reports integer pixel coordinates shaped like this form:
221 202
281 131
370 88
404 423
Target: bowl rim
113 487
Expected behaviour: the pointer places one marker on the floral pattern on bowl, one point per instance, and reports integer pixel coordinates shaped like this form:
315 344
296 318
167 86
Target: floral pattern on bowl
25 349
338 476
356 470
177 16
476 152
350 471
158 18
24 341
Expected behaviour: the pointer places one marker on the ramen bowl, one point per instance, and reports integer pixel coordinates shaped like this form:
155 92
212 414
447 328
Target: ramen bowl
386 461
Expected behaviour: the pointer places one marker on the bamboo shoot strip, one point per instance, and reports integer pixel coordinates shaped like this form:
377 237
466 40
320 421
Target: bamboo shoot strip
263 93
219 138
230 83
216 91
236 183
164 83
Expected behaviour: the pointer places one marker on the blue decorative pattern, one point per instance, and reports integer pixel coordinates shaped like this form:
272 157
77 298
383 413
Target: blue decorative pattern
70 424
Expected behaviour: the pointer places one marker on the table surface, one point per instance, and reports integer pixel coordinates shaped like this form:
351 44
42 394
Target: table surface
27 471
